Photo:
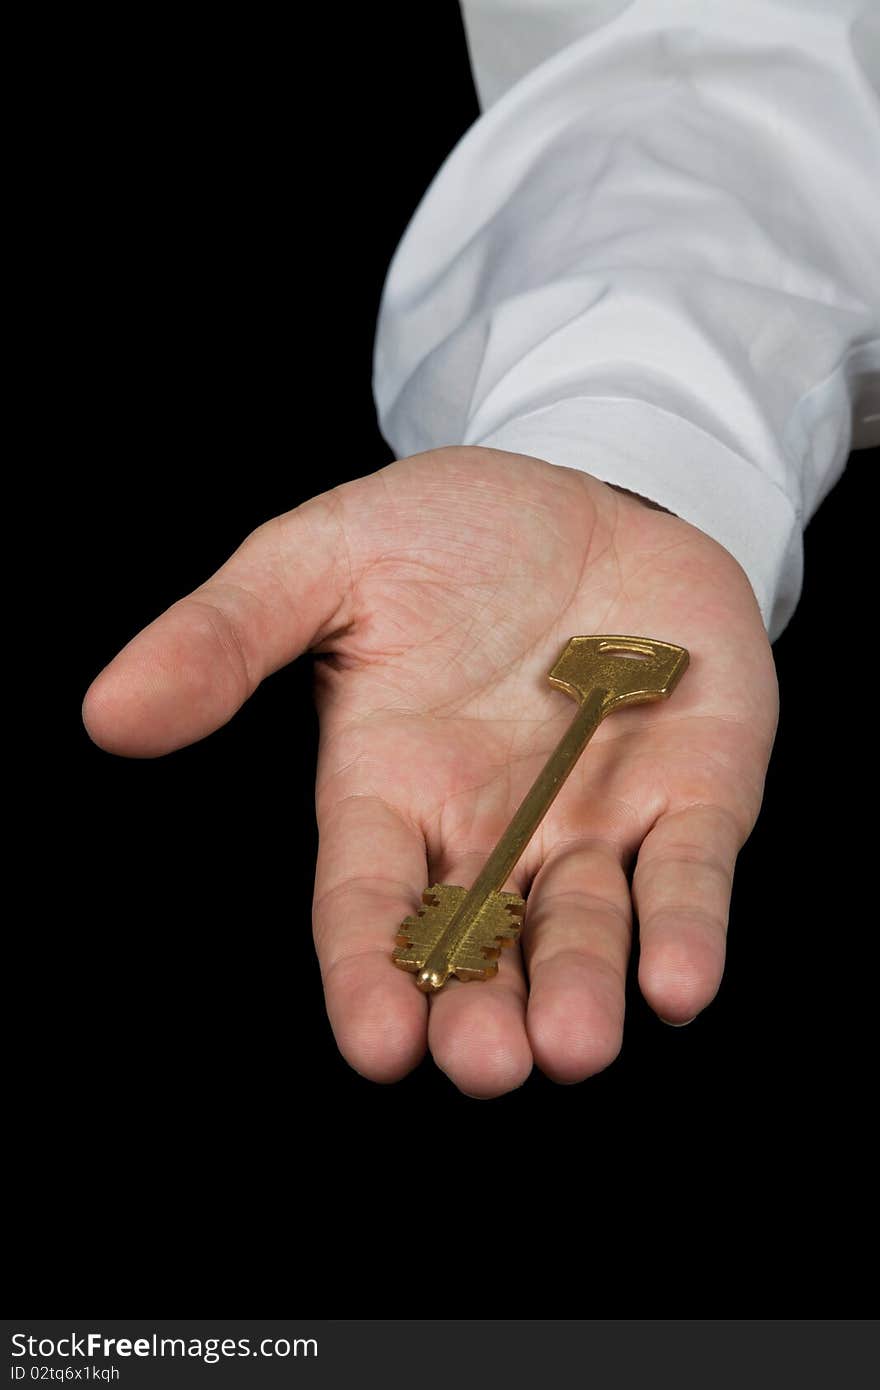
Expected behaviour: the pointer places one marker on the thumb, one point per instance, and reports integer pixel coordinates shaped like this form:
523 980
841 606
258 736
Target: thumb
191 669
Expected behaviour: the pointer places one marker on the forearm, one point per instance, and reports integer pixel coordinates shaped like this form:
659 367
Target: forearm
655 258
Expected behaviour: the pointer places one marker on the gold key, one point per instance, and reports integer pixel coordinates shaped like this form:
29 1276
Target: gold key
461 931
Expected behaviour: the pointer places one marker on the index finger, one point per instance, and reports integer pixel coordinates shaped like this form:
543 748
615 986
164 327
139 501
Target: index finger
371 873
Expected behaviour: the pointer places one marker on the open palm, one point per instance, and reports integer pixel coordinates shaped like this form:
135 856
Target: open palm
438 593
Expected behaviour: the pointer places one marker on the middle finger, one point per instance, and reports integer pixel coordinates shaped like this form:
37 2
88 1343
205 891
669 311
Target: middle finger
476 1031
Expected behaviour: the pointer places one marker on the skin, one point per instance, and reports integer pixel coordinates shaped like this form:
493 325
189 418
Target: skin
438 592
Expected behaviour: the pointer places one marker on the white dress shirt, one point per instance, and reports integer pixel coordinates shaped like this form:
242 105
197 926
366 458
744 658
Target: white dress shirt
656 257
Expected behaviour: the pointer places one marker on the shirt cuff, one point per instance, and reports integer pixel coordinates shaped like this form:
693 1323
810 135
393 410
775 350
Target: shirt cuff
665 457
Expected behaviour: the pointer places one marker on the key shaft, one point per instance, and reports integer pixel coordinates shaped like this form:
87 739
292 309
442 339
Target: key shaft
512 845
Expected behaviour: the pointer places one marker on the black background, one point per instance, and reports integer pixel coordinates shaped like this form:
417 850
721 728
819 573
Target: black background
228 197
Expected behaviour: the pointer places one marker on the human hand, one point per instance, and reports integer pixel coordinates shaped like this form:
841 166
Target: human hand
438 592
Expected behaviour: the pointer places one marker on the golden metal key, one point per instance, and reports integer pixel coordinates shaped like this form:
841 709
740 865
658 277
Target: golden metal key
461 931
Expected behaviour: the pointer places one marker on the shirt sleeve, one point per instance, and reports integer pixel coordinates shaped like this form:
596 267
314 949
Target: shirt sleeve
656 257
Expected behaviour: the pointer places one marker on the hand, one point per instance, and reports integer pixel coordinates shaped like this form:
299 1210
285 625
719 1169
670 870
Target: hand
439 592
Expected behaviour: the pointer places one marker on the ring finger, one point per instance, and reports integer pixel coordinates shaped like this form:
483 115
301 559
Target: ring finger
576 947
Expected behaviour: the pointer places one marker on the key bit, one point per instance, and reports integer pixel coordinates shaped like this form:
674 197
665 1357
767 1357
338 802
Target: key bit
496 923
462 932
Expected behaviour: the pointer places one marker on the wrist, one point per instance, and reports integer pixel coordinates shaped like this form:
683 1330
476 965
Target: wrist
646 501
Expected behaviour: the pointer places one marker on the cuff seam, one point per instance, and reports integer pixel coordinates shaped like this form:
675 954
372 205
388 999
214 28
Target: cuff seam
527 415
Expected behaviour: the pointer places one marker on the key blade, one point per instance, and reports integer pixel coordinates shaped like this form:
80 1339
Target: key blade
632 670
418 935
496 924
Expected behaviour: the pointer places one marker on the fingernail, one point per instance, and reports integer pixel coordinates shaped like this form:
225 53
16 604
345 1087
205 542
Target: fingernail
670 1024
